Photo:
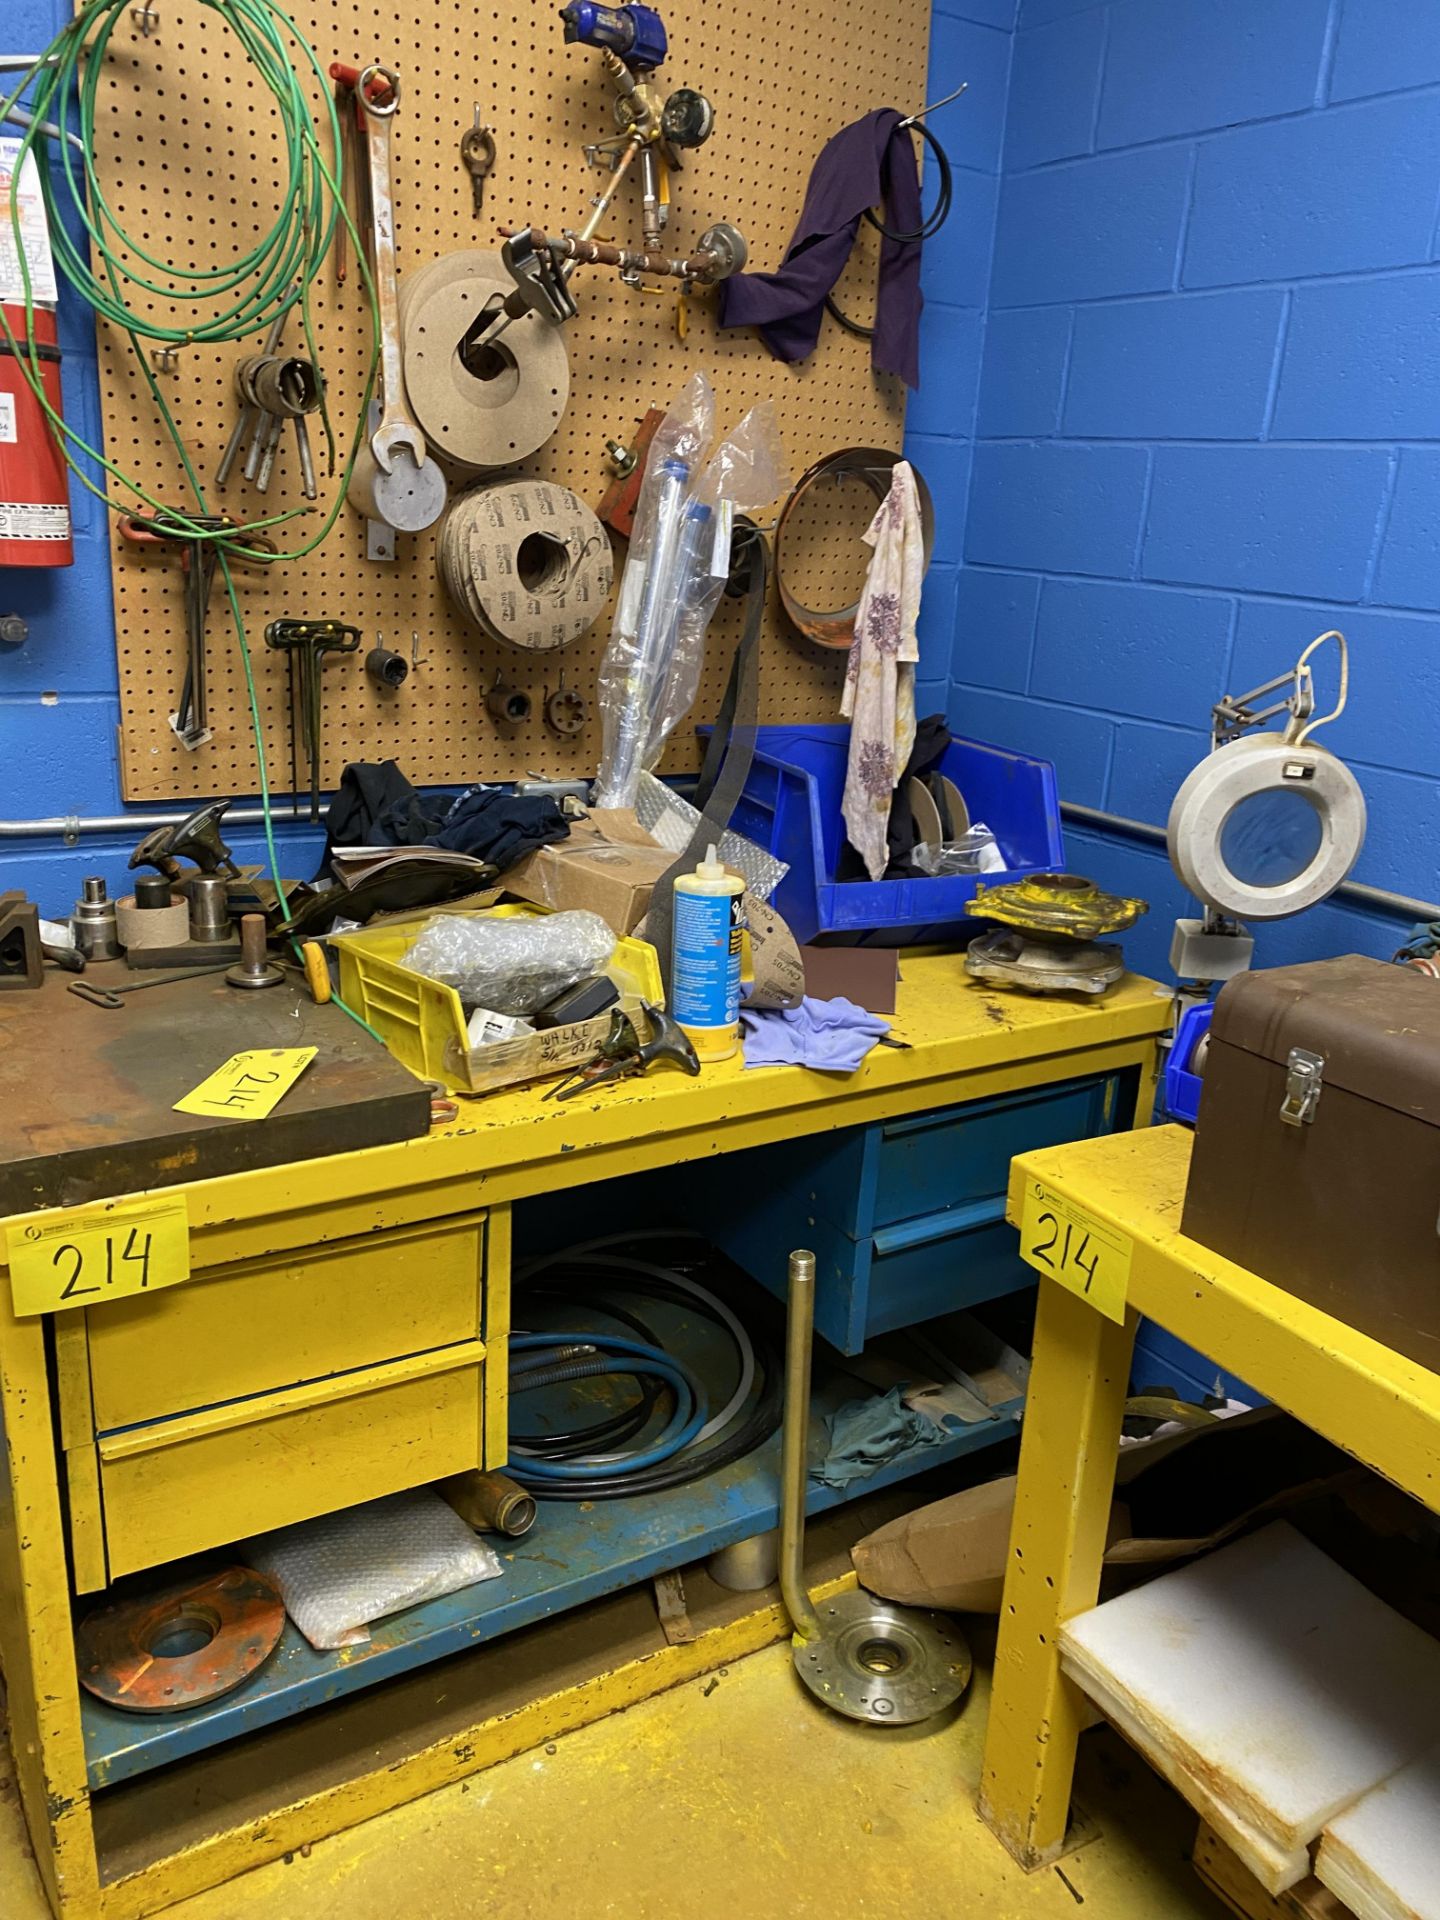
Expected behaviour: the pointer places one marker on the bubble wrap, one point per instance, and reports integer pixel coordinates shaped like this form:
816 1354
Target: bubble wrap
338 1573
513 965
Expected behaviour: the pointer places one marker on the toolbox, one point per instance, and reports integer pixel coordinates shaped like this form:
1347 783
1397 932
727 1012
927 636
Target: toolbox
1317 1153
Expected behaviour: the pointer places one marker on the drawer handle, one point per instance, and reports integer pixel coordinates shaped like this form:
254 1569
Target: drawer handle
943 1225
249 1412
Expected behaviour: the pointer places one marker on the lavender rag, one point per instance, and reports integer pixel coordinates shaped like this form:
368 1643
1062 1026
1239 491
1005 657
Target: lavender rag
833 1035
870 162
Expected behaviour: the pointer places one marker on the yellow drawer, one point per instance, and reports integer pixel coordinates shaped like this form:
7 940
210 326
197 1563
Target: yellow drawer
259 1326
152 1493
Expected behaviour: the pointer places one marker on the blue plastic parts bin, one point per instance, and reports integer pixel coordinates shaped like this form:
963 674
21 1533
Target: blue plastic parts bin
1182 1088
791 805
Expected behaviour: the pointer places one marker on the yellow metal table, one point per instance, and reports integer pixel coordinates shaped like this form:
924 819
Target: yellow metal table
342 1317
1379 1406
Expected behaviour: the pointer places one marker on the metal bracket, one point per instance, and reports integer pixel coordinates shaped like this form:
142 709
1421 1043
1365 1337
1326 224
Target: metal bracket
1304 1077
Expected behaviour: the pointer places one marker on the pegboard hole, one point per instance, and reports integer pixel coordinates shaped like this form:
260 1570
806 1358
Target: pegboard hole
541 562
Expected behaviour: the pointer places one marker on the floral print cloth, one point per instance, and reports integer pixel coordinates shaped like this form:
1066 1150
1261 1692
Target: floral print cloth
879 697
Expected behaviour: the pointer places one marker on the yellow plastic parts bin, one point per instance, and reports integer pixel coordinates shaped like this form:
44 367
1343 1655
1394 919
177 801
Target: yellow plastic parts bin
423 1023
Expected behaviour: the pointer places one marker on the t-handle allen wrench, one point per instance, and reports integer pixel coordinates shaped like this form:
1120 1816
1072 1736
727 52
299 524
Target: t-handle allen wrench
307 642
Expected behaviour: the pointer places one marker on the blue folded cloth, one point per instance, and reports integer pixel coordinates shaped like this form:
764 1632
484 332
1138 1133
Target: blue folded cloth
866 1435
833 1035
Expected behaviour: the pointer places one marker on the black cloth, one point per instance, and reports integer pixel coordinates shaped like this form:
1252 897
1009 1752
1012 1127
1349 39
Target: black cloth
376 806
864 164
932 737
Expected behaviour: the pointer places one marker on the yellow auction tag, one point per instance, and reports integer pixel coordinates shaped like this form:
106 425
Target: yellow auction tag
1073 1247
86 1256
249 1085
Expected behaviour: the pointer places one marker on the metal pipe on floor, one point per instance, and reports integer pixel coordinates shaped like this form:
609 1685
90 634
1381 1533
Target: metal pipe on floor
1399 906
799 1328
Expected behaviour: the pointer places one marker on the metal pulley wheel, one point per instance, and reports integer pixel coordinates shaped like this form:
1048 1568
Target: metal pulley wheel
527 562
481 404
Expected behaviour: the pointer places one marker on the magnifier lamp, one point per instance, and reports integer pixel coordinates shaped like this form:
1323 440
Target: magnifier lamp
1268 825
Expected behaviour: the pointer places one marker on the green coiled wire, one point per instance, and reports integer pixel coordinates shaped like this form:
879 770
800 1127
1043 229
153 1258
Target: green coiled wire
240 298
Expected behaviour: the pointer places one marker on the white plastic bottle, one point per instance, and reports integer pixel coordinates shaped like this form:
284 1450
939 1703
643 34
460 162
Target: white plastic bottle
705 957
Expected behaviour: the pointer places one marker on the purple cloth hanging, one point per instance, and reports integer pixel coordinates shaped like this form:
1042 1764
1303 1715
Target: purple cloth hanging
864 165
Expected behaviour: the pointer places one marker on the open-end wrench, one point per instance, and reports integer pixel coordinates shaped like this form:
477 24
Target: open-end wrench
377 92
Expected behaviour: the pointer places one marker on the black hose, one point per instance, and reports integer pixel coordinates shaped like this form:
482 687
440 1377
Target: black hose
943 204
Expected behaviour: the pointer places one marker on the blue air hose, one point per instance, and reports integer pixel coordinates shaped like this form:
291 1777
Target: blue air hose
555 1360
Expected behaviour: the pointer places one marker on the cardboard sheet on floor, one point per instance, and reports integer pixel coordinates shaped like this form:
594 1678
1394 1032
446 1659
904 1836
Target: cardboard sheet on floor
1382 1856
1267 1685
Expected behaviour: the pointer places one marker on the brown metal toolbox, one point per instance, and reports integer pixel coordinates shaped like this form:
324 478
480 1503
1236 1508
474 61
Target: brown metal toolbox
1317 1153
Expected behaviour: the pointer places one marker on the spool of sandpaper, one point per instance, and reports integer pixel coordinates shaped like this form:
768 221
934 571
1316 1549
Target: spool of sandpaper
527 562
481 404
140 926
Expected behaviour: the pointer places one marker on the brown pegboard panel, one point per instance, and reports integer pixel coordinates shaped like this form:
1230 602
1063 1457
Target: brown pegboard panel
189 150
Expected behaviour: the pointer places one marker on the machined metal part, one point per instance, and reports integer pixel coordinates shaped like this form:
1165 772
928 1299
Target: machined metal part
386 668
477 156
749 1565
872 467
93 921
862 1657
210 921
153 893
23 953
566 712
1063 906
491 1503
1035 964
509 705
180 1645
253 970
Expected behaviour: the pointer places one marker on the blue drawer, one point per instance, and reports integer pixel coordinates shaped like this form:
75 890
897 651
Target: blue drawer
907 1217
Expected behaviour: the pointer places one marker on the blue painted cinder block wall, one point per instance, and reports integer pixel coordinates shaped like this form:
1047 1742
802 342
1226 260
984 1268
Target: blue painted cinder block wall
1209 414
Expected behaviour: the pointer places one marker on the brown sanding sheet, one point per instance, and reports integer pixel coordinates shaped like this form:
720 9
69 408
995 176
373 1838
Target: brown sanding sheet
87 1093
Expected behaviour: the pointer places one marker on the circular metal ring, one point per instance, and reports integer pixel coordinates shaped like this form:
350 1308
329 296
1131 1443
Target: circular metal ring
181 1645
1209 801
873 466
362 90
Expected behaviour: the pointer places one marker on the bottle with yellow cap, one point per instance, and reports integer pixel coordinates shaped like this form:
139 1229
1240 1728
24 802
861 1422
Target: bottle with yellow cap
709 921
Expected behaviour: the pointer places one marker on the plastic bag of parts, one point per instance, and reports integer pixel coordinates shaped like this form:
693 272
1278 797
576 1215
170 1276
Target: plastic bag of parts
649 589
338 1573
975 851
747 470
674 578
511 965
671 820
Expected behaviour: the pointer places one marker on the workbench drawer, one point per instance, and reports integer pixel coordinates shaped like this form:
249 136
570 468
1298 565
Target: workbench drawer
906 1217
152 1493
257 1326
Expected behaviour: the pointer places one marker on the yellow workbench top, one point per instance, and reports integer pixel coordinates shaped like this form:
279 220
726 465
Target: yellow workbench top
963 1040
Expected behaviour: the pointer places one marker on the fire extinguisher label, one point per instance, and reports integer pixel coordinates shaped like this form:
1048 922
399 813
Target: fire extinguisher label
8 433
20 520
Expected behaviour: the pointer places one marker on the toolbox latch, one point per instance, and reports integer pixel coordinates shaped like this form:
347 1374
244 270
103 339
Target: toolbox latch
1304 1076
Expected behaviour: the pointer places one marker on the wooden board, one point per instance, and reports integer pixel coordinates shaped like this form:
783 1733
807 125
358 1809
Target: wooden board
100 1084
1231 1881
205 188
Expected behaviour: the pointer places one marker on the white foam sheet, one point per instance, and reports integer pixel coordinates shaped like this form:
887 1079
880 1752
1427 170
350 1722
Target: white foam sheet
1382 1856
1269 1675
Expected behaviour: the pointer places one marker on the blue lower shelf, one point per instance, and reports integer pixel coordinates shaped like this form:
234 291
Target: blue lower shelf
575 1553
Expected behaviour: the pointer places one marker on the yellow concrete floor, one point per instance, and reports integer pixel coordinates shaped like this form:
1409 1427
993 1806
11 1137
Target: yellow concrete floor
734 1795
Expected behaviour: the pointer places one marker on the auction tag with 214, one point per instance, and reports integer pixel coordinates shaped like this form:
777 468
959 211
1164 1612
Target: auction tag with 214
86 1256
1070 1245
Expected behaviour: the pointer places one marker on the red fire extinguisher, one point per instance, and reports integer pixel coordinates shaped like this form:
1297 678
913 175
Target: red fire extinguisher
34 485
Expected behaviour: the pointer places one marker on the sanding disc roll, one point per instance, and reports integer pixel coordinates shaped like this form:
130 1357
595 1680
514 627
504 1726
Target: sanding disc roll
527 562
481 405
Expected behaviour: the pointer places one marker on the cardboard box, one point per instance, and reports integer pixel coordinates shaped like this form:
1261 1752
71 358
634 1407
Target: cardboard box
1175 1497
609 866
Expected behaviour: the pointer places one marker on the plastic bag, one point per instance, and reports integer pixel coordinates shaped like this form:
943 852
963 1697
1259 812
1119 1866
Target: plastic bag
648 588
748 470
975 851
671 820
338 1573
511 965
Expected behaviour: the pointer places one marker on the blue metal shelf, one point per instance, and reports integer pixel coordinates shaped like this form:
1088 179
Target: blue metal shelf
575 1553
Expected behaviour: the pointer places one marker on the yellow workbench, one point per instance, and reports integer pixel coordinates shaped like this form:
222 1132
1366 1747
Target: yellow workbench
1376 1404
303 1273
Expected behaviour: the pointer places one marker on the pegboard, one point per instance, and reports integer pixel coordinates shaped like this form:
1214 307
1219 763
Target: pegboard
188 151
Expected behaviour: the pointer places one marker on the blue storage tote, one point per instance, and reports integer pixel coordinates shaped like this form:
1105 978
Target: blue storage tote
791 805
